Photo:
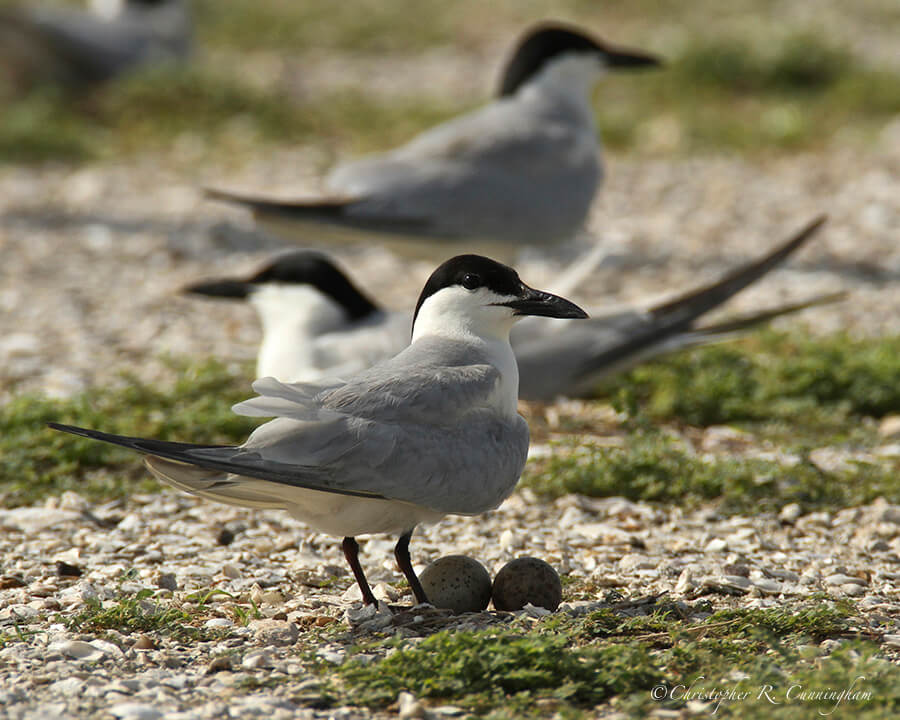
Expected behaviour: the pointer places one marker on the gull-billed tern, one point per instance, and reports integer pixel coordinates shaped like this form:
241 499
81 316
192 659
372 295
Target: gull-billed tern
430 432
521 170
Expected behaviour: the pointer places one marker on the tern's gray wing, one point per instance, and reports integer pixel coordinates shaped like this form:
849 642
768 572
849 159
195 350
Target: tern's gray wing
510 173
504 171
434 381
420 428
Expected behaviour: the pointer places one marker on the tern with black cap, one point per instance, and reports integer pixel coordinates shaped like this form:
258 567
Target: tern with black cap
522 170
430 432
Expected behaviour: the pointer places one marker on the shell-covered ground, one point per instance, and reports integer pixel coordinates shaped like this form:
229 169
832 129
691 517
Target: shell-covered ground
150 604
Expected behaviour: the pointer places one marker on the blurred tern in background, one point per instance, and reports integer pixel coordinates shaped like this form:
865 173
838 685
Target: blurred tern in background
522 170
80 49
317 323
430 432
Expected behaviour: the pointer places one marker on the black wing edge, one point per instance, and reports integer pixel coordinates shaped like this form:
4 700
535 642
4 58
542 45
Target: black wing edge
327 210
187 453
691 305
748 322
678 315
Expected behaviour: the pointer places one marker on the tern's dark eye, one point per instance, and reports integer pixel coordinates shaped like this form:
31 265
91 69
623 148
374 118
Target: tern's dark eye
471 281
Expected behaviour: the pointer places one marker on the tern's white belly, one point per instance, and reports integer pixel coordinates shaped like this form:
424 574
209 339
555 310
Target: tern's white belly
344 515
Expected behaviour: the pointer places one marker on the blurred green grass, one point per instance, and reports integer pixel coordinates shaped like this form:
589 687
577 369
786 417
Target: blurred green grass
769 376
36 461
743 90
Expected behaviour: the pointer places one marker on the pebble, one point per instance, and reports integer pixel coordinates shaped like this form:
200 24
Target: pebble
219 623
256 660
738 581
768 587
78 649
225 536
842 579
144 643
853 590
409 707
716 545
736 569
274 632
70 686
685 582
135 711
889 427
635 561
334 656
219 664
64 569
790 513
167 581
231 571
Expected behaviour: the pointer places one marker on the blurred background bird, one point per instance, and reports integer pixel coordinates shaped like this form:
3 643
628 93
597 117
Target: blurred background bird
521 170
79 49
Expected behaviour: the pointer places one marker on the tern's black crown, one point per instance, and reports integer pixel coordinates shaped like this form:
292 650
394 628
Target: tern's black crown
472 272
539 45
311 268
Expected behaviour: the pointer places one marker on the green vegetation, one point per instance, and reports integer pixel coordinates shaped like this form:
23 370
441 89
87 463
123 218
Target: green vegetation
291 27
134 613
481 668
204 112
654 467
731 94
756 89
828 382
35 460
796 393
568 665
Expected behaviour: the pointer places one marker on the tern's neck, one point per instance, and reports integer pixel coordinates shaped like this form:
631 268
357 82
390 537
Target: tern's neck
297 309
565 83
489 340
293 317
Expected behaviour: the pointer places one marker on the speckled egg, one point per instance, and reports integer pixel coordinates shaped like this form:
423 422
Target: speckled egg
527 580
458 583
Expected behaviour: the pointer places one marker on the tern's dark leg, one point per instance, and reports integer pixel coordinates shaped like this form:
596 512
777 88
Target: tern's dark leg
401 552
351 552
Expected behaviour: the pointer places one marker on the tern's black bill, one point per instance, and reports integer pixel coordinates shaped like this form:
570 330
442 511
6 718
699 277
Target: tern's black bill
625 59
230 289
543 304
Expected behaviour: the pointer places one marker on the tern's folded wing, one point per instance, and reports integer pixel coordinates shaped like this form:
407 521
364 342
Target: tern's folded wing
225 459
434 381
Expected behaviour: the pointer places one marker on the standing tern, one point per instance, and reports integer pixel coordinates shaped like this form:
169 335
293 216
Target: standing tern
81 48
430 432
317 323
521 170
